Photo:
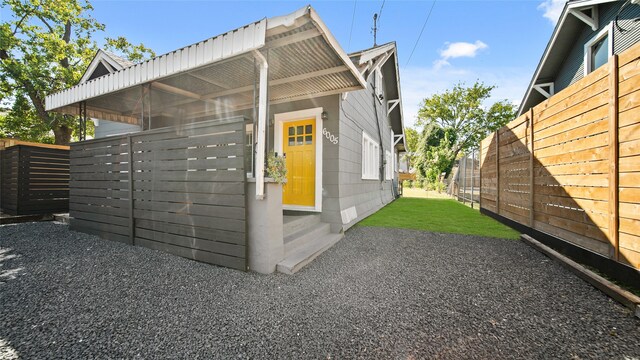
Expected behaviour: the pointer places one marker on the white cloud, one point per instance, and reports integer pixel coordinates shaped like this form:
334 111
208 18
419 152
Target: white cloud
462 49
419 83
552 9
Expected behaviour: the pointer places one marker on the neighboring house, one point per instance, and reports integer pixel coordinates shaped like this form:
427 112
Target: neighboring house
336 117
586 35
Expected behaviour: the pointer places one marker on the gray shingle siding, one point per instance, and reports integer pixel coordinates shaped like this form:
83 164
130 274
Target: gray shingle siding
572 69
357 114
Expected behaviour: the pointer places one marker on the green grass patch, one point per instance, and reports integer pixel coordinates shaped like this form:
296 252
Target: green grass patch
438 215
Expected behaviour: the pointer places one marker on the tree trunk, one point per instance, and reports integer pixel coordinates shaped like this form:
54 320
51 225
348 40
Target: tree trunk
62 134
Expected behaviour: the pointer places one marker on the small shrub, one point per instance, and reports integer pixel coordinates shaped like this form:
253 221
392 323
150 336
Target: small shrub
277 168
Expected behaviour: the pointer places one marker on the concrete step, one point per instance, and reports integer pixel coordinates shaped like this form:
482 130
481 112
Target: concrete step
304 236
295 223
305 254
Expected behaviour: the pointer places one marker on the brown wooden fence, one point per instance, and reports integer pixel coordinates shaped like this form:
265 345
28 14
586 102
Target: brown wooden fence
188 185
570 167
34 179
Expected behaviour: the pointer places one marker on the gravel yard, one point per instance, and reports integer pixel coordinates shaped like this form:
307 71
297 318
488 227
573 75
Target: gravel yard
379 293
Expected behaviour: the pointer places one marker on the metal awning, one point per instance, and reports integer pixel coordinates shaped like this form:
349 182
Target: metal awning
219 75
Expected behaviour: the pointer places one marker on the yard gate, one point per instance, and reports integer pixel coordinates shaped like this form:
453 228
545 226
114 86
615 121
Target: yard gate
177 189
570 167
34 179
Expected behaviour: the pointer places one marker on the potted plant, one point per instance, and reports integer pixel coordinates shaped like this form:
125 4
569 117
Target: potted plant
277 168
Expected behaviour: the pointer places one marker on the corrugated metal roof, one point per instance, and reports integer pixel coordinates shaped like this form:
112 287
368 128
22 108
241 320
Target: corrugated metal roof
221 47
220 73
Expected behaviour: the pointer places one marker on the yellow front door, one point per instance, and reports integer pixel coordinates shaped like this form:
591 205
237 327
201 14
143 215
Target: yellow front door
299 148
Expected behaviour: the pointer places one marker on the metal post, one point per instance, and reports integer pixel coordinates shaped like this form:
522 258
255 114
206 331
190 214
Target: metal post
262 120
473 168
82 131
464 181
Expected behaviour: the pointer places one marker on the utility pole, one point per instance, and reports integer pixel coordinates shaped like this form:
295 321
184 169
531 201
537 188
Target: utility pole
375 28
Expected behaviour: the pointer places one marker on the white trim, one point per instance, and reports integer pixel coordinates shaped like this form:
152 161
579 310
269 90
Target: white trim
591 21
370 161
391 104
262 123
551 44
607 31
100 58
546 93
282 118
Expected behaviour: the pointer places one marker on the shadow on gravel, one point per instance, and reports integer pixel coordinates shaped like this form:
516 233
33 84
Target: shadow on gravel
378 293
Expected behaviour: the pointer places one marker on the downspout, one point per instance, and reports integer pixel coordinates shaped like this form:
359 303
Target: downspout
375 108
262 122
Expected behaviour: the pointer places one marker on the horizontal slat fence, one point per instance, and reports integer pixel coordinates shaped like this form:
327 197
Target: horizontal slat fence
570 167
35 180
178 189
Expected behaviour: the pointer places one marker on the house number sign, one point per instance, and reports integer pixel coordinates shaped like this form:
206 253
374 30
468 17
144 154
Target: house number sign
329 136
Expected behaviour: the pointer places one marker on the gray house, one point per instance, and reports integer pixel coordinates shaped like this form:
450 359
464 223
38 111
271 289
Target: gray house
586 35
178 160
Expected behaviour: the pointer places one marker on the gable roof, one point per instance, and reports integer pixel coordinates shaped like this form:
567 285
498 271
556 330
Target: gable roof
384 57
110 61
562 40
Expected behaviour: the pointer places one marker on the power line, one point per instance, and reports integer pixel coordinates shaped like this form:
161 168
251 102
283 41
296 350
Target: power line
380 12
419 36
353 18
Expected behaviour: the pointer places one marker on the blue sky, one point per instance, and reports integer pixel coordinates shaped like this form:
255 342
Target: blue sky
497 42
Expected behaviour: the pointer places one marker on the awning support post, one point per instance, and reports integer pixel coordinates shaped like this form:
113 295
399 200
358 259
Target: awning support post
82 131
262 123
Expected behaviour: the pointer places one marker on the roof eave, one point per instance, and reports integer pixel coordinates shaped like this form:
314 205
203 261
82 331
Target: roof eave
552 43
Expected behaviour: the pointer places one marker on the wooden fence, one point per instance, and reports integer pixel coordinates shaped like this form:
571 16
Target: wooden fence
570 167
34 179
178 189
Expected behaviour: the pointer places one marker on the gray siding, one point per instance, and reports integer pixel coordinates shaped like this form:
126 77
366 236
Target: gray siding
357 114
572 69
330 178
110 128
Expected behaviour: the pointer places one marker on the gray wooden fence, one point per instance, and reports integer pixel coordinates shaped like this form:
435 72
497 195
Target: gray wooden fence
177 189
34 180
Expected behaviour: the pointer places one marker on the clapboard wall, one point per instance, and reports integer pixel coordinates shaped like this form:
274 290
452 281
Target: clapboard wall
175 189
570 167
34 180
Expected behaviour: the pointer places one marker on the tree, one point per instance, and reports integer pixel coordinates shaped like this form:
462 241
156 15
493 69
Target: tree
461 110
45 47
411 138
435 152
454 122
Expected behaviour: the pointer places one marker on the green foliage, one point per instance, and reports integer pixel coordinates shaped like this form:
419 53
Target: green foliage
461 110
45 47
21 122
411 138
435 152
438 215
277 168
454 122
407 184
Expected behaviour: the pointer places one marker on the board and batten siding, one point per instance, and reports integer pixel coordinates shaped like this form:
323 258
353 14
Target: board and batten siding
357 115
572 69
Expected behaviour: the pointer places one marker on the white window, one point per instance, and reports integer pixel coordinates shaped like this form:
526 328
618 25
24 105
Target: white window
388 166
370 158
598 50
